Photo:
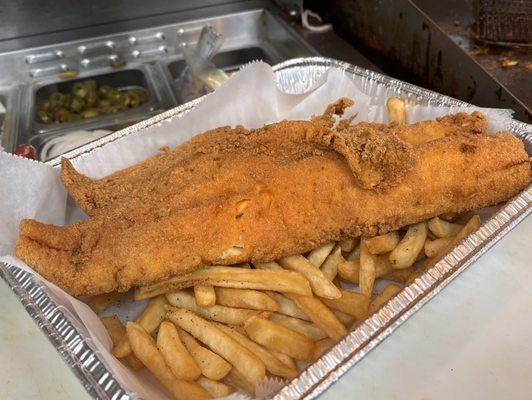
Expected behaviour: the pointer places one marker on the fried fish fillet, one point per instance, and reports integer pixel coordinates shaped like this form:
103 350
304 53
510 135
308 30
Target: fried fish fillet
143 178
232 195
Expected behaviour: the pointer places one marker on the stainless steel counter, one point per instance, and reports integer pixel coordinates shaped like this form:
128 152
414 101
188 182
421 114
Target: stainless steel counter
115 39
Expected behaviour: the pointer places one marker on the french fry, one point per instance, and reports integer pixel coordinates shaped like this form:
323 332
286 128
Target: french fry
227 315
443 229
348 245
383 265
245 362
276 337
268 265
344 318
134 362
406 252
101 302
150 318
472 225
175 353
144 348
238 278
117 331
320 284
351 303
273 364
400 275
215 389
449 216
114 328
321 347
237 380
285 359
211 364
349 270
464 218
288 306
396 110
383 297
330 265
320 315
383 243
306 328
245 298
319 254
204 295
433 247
367 275
355 254
240 329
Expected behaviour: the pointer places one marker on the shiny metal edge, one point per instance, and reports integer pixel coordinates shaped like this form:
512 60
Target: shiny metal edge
82 358
75 349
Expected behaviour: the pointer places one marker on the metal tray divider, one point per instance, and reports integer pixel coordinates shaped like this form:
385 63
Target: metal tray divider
78 352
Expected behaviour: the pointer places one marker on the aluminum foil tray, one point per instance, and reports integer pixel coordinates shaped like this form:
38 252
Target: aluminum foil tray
293 76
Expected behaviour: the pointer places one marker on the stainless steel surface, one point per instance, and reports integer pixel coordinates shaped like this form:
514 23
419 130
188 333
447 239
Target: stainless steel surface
24 18
241 30
121 80
293 76
228 61
408 45
44 56
248 34
135 74
456 19
209 42
503 22
41 141
10 98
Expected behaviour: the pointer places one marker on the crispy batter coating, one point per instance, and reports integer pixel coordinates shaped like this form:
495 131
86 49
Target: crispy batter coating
189 163
232 195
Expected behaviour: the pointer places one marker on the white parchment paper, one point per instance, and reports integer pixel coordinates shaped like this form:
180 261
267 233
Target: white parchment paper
31 189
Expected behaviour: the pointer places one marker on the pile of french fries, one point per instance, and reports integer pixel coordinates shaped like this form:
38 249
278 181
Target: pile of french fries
219 329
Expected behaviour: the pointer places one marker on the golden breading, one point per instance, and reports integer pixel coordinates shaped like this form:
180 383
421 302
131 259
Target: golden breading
232 195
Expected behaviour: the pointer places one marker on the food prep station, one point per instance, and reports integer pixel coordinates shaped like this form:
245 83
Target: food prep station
148 59
123 45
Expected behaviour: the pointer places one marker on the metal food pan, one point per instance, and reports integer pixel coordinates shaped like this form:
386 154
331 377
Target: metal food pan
149 50
121 80
253 36
293 76
228 61
40 140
